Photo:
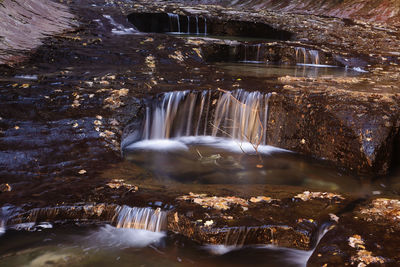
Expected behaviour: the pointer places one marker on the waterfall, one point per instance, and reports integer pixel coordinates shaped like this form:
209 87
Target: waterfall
197 25
258 52
179 25
172 18
249 53
174 22
3 223
307 56
314 57
188 24
205 26
236 236
140 218
301 55
239 115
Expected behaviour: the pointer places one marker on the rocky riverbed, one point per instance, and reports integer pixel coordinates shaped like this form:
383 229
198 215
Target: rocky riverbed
68 103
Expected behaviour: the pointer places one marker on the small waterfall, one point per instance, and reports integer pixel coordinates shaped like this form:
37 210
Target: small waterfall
239 115
307 56
172 19
179 24
249 53
3 223
188 24
197 25
140 218
237 236
314 57
175 24
258 52
301 55
205 26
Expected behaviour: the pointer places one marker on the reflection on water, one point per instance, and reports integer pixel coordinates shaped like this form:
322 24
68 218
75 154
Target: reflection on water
263 70
213 160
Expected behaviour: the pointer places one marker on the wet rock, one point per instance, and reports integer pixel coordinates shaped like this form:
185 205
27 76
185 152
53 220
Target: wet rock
219 203
376 11
81 213
307 195
262 222
382 210
360 143
5 188
114 100
368 235
260 199
118 183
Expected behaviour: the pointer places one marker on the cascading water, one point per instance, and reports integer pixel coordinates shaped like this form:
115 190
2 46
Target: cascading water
3 223
238 115
236 238
251 52
176 27
140 218
174 19
314 57
197 25
205 26
307 56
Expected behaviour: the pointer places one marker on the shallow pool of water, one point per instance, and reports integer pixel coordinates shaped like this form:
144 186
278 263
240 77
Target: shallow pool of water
206 160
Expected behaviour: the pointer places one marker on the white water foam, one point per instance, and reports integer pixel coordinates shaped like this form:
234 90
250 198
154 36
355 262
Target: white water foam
158 145
358 69
183 144
220 249
316 65
109 236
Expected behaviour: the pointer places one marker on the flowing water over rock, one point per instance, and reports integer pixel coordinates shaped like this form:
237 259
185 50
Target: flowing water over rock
239 115
106 245
235 244
306 56
201 25
140 218
203 137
